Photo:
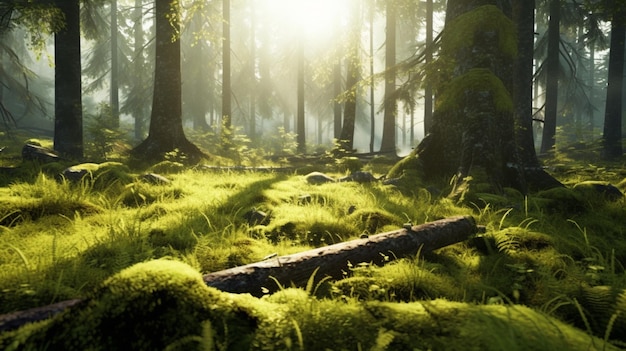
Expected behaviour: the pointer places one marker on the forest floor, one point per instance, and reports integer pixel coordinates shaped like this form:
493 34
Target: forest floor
547 273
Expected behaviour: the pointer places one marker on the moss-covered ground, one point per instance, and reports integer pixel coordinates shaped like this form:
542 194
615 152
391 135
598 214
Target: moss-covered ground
547 273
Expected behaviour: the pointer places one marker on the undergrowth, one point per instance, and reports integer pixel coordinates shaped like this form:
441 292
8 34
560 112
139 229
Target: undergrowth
551 262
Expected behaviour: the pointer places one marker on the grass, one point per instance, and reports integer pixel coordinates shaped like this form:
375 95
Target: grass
538 276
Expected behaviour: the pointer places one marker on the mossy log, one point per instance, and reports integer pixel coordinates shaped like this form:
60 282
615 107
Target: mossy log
334 260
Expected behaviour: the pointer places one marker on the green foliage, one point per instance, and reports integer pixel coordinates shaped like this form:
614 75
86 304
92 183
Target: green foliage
102 136
282 142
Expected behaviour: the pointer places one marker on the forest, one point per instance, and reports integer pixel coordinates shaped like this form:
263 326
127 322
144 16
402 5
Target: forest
312 175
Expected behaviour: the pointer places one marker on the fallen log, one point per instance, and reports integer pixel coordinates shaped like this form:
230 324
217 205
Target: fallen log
334 260
328 261
14 320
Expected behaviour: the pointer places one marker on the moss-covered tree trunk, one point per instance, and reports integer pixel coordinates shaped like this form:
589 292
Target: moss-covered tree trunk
472 133
473 137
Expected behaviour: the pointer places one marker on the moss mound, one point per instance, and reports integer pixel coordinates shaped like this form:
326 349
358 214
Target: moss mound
166 305
149 306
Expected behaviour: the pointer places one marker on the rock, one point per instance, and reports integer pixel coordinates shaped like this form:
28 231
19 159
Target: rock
76 173
608 190
392 181
304 199
256 217
98 174
360 177
318 178
32 152
154 178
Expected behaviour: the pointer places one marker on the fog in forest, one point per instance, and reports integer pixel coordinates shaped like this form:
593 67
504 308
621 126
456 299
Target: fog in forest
264 39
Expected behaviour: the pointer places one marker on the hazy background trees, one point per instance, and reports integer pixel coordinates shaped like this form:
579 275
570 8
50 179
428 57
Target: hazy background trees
324 70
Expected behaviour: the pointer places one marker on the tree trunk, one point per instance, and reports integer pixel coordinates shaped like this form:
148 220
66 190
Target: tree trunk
372 87
428 90
612 136
337 116
335 260
524 18
68 114
300 127
166 132
353 73
253 85
226 81
349 109
114 97
388 142
139 62
473 136
552 84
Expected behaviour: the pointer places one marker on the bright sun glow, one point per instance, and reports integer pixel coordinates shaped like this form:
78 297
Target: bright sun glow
316 18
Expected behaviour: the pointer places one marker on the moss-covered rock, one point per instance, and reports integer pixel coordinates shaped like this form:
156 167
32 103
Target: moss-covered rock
149 306
599 190
563 200
99 175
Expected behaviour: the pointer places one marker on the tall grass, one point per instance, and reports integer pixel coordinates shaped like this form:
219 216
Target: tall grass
61 240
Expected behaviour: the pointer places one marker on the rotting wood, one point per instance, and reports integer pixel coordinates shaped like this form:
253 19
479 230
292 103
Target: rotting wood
16 319
334 260
328 261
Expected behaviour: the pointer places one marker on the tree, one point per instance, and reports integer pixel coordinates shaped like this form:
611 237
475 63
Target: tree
612 136
19 97
300 127
138 96
388 143
552 83
353 73
166 132
114 97
523 13
473 136
428 89
68 115
227 113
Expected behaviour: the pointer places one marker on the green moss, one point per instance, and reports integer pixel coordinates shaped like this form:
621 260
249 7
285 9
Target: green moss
166 305
149 306
476 80
167 167
461 32
599 190
562 200
408 165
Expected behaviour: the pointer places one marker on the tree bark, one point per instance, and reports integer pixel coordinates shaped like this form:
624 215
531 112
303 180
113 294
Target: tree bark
226 79
353 73
114 98
524 18
388 142
612 136
68 114
335 260
428 89
300 121
138 112
552 83
166 132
